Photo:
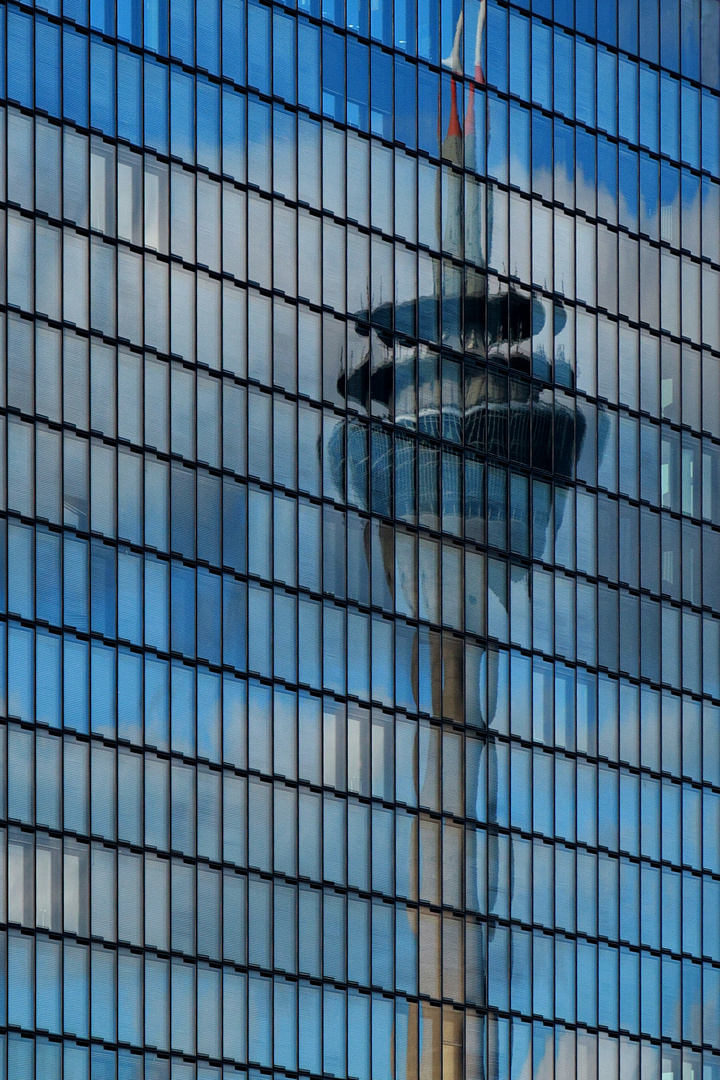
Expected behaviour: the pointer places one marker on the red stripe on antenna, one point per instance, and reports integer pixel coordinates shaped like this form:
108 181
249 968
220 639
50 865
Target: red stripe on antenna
454 124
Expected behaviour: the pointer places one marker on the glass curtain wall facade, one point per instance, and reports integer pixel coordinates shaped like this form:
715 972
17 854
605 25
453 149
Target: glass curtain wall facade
360 489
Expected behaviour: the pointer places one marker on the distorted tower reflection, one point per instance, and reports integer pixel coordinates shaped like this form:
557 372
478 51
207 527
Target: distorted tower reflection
493 328
360 516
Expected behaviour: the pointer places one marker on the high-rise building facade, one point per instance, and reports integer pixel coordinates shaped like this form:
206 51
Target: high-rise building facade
360 511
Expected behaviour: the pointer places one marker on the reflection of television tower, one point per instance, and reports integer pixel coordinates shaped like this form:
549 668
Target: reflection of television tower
473 252
497 325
